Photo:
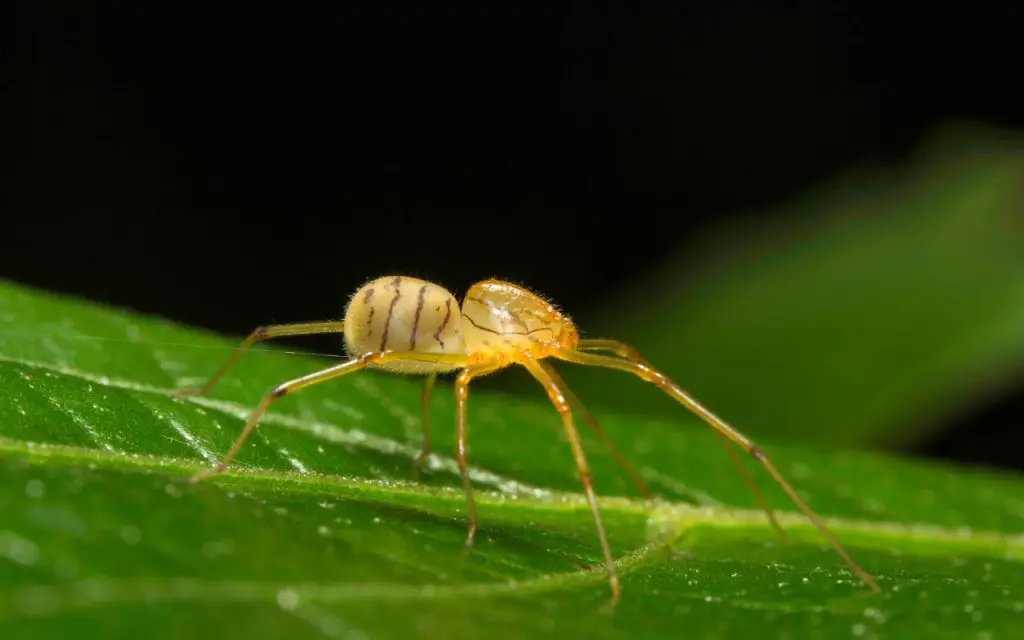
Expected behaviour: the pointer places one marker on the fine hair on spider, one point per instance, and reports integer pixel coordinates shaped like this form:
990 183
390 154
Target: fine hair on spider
406 325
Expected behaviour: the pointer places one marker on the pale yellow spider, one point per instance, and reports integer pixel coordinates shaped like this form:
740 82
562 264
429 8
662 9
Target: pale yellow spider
406 325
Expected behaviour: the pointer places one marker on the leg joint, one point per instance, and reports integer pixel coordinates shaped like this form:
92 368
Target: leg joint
279 391
659 379
366 358
629 352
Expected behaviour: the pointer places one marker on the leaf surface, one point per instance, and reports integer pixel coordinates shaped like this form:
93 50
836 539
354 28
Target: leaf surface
322 528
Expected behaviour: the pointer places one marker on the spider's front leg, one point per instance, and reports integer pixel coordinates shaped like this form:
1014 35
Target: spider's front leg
556 393
645 371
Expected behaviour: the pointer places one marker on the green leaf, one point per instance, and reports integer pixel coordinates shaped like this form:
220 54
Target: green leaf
323 529
865 313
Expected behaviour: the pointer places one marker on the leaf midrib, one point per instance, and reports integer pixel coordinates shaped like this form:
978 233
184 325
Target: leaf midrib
672 518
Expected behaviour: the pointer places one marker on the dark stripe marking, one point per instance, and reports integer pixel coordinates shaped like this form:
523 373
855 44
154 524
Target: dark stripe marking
416 320
397 284
369 318
507 333
444 323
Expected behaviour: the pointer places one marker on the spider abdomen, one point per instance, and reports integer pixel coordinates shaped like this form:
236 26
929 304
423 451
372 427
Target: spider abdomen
399 313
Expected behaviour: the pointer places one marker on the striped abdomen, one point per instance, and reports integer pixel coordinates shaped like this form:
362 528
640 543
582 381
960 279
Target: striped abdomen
399 313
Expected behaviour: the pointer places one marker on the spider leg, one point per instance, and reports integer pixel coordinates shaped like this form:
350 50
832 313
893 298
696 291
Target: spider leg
558 397
591 422
428 389
461 429
625 351
350 366
268 332
648 373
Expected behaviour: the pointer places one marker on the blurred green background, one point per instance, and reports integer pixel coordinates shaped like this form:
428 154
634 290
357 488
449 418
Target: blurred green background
870 312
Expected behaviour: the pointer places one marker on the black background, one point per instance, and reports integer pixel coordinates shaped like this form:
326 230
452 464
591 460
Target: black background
229 168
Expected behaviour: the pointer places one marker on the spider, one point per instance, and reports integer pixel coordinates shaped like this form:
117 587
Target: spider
410 326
